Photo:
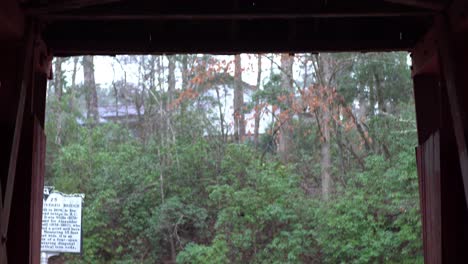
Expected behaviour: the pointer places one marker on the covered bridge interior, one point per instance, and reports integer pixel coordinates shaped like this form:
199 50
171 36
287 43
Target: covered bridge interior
434 31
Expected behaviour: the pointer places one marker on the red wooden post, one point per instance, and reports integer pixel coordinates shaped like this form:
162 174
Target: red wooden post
22 103
428 114
440 84
429 174
37 182
453 57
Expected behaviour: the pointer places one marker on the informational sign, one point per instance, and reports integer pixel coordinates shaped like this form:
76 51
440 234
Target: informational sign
61 222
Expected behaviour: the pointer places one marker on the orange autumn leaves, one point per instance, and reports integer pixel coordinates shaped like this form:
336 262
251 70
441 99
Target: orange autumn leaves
309 102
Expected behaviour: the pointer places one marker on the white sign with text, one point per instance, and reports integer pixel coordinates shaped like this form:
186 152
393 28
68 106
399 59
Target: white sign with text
61 223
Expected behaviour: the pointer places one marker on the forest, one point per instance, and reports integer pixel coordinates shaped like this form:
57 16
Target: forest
252 158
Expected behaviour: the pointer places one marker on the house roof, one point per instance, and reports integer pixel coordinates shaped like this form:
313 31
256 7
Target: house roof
113 111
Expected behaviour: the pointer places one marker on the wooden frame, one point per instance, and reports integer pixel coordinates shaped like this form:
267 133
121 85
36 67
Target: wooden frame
439 52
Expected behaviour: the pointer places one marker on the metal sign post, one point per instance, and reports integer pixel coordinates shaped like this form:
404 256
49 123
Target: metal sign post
45 257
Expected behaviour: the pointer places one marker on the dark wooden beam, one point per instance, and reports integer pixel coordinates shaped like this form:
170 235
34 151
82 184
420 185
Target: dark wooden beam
424 55
458 15
65 48
229 10
36 180
64 6
429 174
26 73
440 80
232 16
139 37
435 5
11 20
454 207
453 59
23 73
427 96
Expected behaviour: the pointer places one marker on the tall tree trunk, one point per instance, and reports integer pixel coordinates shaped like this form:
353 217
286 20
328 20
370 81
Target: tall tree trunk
239 124
382 148
58 78
257 100
372 98
184 71
145 98
327 82
90 89
170 95
285 137
73 83
379 92
325 152
185 81
58 96
221 114
171 83
341 153
173 249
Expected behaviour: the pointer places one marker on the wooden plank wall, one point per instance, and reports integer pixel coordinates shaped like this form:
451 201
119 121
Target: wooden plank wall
23 76
443 207
441 106
37 181
428 158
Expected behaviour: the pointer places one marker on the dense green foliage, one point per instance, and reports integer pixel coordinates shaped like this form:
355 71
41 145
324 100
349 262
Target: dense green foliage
201 199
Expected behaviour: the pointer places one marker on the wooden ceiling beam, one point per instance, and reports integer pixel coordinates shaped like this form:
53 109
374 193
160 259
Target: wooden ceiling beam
66 48
148 29
11 20
425 53
204 37
435 5
230 16
64 6
458 15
